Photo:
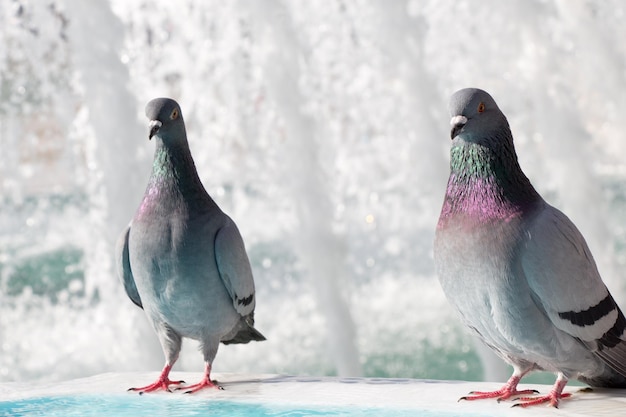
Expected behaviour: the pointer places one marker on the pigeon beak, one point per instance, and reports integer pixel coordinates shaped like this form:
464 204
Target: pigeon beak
155 125
457 123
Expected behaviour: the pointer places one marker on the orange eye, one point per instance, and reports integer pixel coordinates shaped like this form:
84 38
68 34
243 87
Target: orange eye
174 114
481 107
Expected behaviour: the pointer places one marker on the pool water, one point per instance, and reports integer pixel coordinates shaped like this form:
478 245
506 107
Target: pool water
157 405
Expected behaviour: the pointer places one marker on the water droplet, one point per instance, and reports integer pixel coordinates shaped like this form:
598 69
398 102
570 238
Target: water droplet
75 286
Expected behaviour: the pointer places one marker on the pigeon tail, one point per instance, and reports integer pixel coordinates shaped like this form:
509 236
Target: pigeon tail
609 379
245 334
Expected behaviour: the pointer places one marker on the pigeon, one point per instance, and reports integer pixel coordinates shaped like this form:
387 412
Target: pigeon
182 259
516 269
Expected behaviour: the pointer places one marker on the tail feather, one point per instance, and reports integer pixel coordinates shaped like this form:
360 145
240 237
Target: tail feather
245 336
608 379
611 348
246 332
613 355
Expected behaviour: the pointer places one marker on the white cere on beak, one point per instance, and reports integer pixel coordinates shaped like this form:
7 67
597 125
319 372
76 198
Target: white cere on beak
458 120
155 125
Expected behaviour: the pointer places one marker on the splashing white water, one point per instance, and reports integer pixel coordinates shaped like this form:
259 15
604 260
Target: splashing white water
321 128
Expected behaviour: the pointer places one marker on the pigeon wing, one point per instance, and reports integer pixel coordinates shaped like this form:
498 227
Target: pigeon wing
565 281
123 268
234 267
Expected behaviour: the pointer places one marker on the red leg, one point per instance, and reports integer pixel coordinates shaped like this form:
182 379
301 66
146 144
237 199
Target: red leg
507 391
552 398
163 382
205 383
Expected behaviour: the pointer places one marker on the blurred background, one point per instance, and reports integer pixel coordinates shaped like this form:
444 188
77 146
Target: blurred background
322 128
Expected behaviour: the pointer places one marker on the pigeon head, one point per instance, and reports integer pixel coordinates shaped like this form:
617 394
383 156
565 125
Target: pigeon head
166 120
476 118
485 175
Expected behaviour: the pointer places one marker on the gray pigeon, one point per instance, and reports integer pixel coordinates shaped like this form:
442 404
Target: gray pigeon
182 259
516 269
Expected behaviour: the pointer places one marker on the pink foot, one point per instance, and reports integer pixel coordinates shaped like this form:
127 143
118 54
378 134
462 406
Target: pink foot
205 383
162 383
502 394
552 398
507 391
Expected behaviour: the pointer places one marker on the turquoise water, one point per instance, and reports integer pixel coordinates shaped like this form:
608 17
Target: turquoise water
133 405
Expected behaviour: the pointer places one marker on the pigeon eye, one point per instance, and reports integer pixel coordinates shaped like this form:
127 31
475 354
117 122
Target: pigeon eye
174 114
481 107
